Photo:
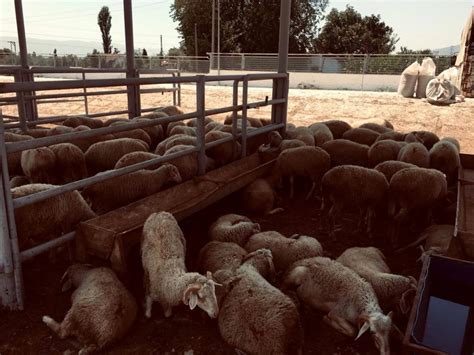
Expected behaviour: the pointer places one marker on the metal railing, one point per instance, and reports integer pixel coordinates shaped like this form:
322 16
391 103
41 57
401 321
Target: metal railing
12 257
111 61
391 64
76 73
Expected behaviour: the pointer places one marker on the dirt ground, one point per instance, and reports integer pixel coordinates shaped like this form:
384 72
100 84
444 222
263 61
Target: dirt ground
24 333
306 107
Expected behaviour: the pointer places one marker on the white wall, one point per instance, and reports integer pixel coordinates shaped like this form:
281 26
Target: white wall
327 81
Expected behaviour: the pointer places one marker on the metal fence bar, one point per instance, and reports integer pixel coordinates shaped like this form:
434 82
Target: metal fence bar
200 108
42 248
15 250
40 196
245 91
235 101
86 103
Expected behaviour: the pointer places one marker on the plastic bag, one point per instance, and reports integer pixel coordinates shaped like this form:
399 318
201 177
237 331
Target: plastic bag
451 74
440 92
425 75
408 79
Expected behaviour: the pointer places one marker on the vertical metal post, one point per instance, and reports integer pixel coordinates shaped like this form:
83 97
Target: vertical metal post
132 97
245 91
196 52
179 91
174 92
213 31
200 108
235 102
86 103
7 280
30 110
11 245
280 90
219 37
242 61
364 69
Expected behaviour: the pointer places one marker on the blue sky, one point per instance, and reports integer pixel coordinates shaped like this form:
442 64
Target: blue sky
418 23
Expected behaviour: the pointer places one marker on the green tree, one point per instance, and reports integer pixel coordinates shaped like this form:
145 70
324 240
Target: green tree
175 52
348 32
247 26
405 50
104 20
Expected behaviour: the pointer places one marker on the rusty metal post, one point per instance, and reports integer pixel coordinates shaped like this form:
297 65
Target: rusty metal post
133 95
201 108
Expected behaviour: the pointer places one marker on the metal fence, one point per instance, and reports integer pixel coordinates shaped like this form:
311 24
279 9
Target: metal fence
11 257
111 61
392 64
324 63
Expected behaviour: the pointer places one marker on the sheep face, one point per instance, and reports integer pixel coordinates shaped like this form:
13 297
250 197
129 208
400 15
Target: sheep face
203 295
74 275
380 326
174 174
275 139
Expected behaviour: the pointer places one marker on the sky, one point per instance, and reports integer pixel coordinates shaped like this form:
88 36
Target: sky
419 23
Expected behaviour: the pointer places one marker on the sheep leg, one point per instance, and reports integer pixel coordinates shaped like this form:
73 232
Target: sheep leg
167 311
275 210
340 324
88 349
148 305
56 327
311 191
292 180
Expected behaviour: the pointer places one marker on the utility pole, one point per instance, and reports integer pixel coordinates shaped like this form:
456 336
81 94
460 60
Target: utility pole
196 44
12 45
213 32
218 37
161 46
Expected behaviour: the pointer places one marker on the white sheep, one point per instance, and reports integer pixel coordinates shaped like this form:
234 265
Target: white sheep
233 228
14 159
415 153
285 251
427 138
390 167
102 309
170 142
70 163
135 158
308 162
321 133
337 127
255 317
116 192
259 197
103 156
39 165
277 141
166 279
47 219
361 135
303 134
76 121
391 289
136 133
188 164
346 152
384 150
216 256
349 300
224 153
348 186
444 156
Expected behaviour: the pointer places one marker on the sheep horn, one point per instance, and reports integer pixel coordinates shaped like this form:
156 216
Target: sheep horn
191 288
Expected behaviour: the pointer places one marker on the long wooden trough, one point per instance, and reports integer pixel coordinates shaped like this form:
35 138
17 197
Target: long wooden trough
111 235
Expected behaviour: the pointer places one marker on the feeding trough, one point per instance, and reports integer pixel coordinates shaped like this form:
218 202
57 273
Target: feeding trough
442 317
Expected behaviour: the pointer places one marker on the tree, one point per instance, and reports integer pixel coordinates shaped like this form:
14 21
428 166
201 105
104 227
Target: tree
405 50
104 20
175 52
144 53
348 32
55 52
116 50
247 26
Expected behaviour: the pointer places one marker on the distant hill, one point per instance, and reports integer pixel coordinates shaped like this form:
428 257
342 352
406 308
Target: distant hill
447 50
47 46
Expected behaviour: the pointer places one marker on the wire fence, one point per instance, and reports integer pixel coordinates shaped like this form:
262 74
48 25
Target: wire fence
392 64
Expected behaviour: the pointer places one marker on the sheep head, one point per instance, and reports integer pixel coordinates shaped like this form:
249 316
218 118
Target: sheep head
262 261
275 139
202 294
380 326
174 175
74 276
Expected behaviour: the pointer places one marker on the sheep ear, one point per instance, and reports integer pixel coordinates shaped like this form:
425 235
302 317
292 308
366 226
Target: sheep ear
193 300
66 285
363 329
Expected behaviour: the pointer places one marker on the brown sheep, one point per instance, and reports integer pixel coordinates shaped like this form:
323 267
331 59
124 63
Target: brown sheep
390 167
337 127
346 152
384 150
415 153
361 135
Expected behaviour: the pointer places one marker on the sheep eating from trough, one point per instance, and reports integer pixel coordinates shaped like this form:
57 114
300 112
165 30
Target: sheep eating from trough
14 159
415 153
70 163
39 165
216 256
49 218
116 192
321 133
135 158
390 167
258 197
277 141
384 150
348 299
102 309
233 228
166 279
346 152
444 156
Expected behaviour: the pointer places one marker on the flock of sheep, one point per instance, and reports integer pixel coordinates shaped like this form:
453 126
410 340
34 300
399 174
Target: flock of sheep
254 282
